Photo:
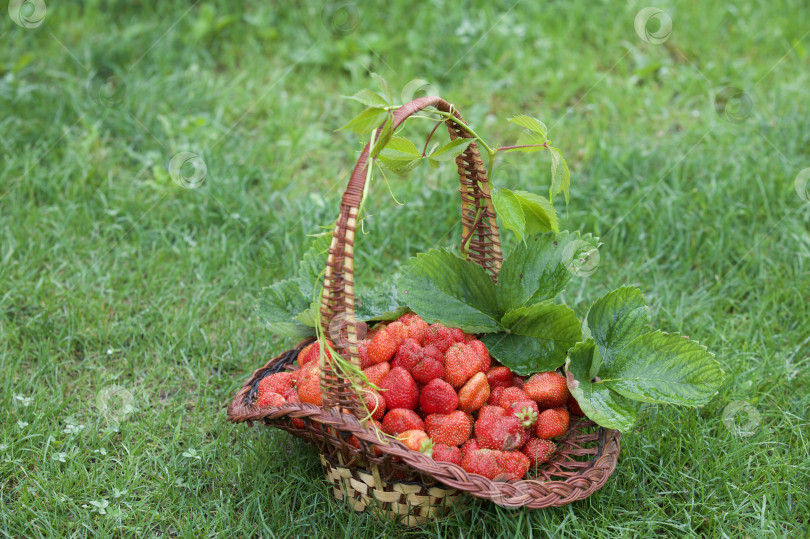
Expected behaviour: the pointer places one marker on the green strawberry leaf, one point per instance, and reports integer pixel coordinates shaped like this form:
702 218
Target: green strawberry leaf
278 307
665 368
510 211
367 120
449 151
369 98
442 287
616 319
560 175
384 137
380 303
534 125
538 269
536 338
602 405
539 212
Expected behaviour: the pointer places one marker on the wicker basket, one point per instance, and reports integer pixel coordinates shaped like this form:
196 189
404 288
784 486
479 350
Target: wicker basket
385 476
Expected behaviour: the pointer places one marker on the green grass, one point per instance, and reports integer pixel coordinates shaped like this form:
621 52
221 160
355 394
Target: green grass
113 276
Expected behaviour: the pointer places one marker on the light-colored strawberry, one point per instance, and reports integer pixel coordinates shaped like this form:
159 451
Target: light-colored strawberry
473 394
438 397
453 429
552 423
399 389
382 347
460 364
547 389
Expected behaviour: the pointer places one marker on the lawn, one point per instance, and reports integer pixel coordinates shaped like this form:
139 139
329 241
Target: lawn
127 298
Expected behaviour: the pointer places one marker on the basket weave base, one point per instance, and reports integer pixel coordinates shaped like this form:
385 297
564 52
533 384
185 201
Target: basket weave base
410 504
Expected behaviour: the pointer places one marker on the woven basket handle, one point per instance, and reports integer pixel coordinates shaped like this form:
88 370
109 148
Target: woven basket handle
479 234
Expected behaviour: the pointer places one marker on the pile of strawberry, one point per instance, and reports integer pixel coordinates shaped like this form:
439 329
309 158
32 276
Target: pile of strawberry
441 394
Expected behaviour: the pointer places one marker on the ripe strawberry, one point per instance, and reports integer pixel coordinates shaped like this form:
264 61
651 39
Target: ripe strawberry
446 453
408 318
278 383
469 445
513 464
427 369
526 411
309 384
517 381
439 336
270 399
382 347
292 398
469 337
483 462
499 377
438 397
399 420
552 423
413 438
460 364
501 433
407 355
481 350
512 395
539 451
547 389
495 396
311 353
399 389
398 331
416 326
362 351
376 373
454 428
374 403
457 334
474 394
573 407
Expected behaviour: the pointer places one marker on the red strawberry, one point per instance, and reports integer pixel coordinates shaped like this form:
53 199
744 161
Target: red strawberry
513 464
503 433
309 384
552 423
399 420
490 412
499 377
483 462
278 383
460 364
469 445
399 389
270 399
398 331
438 397
512 395
539 451
362 351
382 347
517 381
457 334
446 453
526 411
547 389
481 350
469 337
432 352
573 407
408 318
439 336
474 394
374 403
428 369
376 373
454 428
495 396
311 353
407 355
413 438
